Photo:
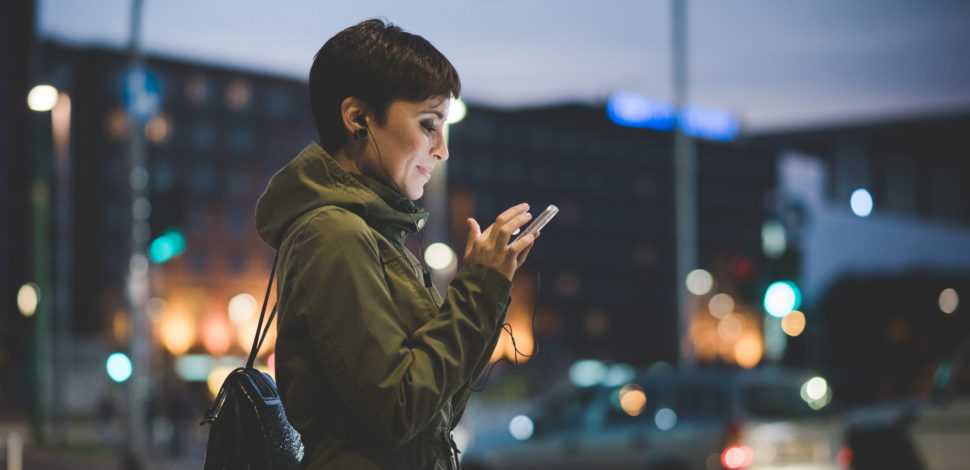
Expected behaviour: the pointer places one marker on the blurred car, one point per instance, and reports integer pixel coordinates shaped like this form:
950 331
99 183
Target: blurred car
918 434
667 419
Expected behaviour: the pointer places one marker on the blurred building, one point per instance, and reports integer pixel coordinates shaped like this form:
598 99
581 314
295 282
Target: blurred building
606 263
217 138
878 217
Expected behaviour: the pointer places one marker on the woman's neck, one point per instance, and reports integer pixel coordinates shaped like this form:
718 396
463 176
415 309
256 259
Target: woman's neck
349 165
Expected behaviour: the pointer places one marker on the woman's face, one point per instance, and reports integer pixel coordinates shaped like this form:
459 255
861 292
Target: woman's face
404 150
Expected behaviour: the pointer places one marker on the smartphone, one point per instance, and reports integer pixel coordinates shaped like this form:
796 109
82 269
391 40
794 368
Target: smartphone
540 221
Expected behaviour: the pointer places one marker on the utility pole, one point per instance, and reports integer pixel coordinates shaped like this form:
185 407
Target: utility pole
685 188
137 280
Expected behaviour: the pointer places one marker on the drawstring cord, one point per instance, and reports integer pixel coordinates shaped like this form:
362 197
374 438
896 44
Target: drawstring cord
455 451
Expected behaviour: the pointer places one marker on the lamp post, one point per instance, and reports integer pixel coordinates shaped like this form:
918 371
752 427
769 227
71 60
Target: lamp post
685 189
41 100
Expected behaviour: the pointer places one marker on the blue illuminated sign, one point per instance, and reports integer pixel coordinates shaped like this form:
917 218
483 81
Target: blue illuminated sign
708 123
633 110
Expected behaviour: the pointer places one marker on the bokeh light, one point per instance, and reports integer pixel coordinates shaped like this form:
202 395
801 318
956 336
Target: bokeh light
456 111
774 240
587 372
730 327
439 256
737 457
119 367
949 301
28 296
177 332
861 202
242 307
42 98
816 393
157 129
216 377
246 332
193 367
632 399
699 282
794 323
521 427
721 305
781 297
216 333
665 419
748 351
619 373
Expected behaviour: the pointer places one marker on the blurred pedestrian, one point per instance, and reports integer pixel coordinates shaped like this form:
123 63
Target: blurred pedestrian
374 367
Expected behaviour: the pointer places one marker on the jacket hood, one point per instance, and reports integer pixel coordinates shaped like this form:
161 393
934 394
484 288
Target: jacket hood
314 179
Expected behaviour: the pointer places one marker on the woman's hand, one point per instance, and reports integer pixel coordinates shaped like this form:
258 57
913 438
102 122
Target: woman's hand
492 248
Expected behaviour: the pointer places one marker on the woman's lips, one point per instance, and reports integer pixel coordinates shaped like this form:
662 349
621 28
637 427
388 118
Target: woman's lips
425 171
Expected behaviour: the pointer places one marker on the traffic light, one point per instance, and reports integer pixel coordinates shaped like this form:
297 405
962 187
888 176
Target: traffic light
781 297
118 367
168 245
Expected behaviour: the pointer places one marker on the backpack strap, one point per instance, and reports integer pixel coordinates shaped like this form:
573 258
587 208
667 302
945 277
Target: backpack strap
261 327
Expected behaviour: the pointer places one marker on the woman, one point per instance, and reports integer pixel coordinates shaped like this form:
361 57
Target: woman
373 366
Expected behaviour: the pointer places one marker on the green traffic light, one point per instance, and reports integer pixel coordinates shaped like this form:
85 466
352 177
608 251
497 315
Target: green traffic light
781 298
119 367
167 246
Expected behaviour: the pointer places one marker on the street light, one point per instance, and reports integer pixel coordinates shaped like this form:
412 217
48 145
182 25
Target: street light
27 298
42 98
456 111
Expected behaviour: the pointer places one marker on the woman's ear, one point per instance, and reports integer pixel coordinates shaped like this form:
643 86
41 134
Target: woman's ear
353 113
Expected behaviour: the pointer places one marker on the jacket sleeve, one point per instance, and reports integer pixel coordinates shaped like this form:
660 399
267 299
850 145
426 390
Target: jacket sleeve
395 382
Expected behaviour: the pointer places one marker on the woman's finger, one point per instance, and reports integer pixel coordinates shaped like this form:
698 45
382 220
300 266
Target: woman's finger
502 236
474 230
520 258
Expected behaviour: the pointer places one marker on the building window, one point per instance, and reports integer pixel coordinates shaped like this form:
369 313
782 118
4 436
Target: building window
241 141
162 176
202 180
203 135
238 95
198 90
278 102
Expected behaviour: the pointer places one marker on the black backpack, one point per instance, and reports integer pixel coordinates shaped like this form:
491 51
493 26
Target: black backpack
249 429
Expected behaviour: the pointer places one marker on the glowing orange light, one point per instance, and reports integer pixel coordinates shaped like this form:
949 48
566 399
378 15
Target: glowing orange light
156 130
703 335
247 331
632 399
730 327
177 332
216 377
520 322
216 334
748 351
794 323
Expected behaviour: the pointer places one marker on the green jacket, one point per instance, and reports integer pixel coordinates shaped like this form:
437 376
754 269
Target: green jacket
373 367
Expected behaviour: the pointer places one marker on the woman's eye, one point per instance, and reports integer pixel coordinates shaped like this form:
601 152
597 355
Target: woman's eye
428 126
